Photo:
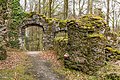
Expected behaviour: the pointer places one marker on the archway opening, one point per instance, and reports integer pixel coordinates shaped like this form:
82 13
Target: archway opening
33 38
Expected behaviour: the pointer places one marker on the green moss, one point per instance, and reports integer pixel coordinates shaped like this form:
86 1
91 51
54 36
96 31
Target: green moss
62 23
86 22
91 21
59 39
113 50
112 34
47 20
50 23
31 14
95 35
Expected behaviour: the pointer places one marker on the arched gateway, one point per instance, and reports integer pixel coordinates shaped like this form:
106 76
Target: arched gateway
49 28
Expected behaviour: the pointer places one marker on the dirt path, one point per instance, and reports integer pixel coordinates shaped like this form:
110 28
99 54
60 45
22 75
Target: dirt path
42 68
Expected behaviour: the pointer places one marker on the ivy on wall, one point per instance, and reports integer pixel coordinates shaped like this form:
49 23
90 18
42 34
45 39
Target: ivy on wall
17 14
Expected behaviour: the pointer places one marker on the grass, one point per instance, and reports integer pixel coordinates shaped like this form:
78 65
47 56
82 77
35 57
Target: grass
15 74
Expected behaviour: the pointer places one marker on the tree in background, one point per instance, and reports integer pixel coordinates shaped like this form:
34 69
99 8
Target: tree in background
50 9
113 15
90 6
25 5
81 5
65 9
74 8
44 6
108 11
39 6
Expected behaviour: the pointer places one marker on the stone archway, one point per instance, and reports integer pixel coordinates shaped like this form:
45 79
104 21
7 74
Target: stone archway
23 35
38 21
50 28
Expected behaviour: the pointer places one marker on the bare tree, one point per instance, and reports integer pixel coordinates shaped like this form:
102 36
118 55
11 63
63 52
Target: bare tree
74 8
44 5
90 5
113 15
108 11
25 5
39 6
50 8
65 9
79 7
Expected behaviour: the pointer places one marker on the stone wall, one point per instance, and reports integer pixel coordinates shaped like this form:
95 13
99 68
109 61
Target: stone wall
3 28
50 27
87 43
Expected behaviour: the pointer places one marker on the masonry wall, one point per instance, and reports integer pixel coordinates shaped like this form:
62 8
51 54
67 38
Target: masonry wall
87 42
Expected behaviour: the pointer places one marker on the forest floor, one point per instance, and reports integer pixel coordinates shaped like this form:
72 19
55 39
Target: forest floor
15 66
44 65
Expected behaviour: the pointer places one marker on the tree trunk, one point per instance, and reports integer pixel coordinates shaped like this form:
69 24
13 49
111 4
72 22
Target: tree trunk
65 9
49 13
79 7
74 8
25 5
90 5
108 11
31 7
113 5
44 4
39 6
36 7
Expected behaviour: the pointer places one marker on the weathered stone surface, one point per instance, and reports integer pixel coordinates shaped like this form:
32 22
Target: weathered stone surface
87 44
3 31
50 27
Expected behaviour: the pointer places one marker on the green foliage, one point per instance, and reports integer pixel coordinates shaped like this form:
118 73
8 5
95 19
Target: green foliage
14 44
113 50
17 15
62 23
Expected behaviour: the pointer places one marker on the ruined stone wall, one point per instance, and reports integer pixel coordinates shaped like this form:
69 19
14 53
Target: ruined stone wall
49 25
3 28
87 43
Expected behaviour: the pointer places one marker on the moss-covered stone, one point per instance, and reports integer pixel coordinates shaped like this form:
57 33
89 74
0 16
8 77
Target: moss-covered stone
3 25
112 54
87 44
88 38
